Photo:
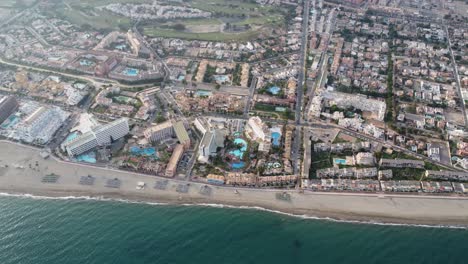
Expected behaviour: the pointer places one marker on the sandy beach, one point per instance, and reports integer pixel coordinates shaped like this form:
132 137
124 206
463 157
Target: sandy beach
408 209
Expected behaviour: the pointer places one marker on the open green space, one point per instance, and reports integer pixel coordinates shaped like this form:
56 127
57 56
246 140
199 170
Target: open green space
234 7
243 15
96 3
212 36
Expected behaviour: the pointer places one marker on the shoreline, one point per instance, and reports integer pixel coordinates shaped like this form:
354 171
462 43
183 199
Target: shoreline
319 217
372 208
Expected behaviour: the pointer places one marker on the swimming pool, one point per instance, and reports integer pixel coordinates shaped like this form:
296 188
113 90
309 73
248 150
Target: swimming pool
11 121
339 161
238 165
221 78
121 47
130 71
137 151
276 137
86 63
274 90
71 136
203 93
239 152
87 157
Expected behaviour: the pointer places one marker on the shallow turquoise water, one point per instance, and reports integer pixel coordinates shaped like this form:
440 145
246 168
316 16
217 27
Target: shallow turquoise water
79 231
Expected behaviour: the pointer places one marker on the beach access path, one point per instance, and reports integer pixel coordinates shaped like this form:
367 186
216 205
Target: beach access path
19 178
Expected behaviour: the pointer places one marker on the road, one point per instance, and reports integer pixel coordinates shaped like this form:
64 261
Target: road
248 104
300 90
92 79
142 39
457 77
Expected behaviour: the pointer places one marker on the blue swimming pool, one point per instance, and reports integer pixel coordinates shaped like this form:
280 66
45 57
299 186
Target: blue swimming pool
137 151
238 165
276 138
130 72
274 90
339 161
87 157
239 152
11 121
71 136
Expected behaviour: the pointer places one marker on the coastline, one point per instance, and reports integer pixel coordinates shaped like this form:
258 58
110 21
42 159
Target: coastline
438 211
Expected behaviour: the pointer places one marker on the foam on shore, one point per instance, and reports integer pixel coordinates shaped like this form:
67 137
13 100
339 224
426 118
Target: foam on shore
216 205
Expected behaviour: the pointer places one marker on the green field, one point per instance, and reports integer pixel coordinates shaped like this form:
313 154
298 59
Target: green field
238 13
101 19
96 3
216 36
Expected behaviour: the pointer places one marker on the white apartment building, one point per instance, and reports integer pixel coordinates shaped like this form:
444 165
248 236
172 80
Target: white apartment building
212 140
256 129
99 136
160 132
42 124
359 101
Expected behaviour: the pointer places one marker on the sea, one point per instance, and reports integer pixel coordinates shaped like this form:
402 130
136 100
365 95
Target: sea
40 230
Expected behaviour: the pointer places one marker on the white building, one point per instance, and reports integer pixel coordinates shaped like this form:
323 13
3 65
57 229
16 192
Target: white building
160 132
343 100
256 129
365 158
99 136
41 124
211 141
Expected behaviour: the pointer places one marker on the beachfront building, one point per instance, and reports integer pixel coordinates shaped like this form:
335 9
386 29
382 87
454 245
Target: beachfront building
99 136
175 158
108 133
447 175
181 134
159 132
166 130
8 105
41 125
211 141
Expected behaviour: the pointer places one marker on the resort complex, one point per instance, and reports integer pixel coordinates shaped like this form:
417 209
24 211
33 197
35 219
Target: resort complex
308 95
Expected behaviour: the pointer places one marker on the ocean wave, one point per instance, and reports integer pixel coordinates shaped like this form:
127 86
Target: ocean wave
94 198
309 217
242 207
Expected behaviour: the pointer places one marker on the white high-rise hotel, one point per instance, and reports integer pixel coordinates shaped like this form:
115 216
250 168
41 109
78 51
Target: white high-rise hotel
100 136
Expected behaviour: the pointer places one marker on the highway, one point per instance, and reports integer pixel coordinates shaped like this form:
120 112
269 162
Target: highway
88 78
300 87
